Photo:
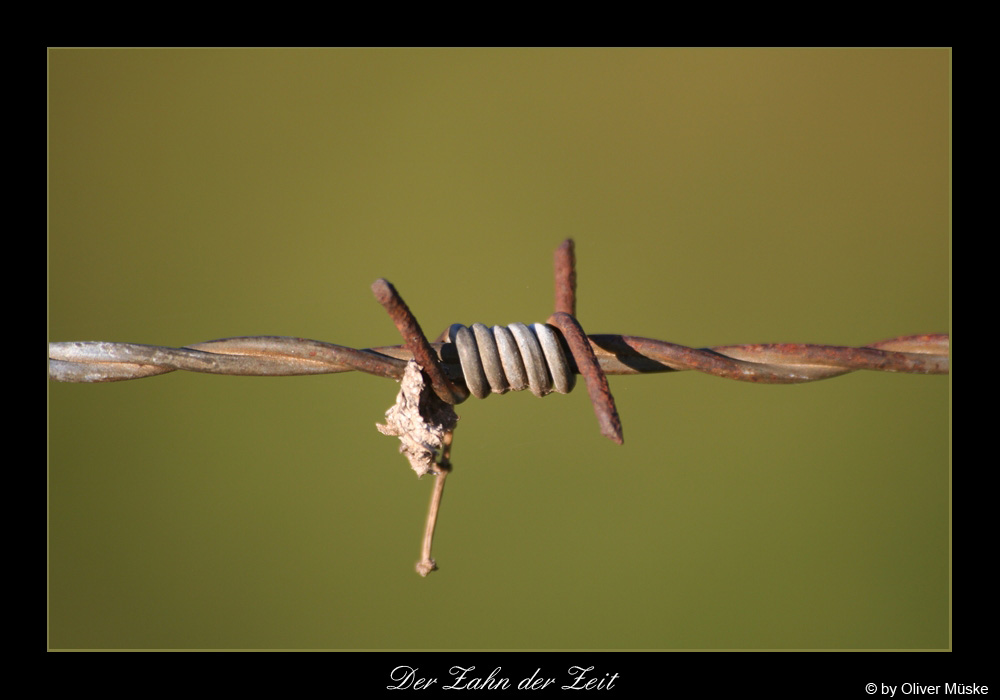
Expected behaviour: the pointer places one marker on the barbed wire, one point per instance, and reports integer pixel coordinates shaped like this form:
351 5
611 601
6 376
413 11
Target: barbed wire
277 356
481 360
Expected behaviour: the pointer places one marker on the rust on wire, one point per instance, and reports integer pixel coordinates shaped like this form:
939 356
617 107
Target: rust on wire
426 396
780 363
593 376
565 267
416 342
587 365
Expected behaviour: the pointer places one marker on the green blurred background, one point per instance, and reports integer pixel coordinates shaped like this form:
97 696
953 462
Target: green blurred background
715 196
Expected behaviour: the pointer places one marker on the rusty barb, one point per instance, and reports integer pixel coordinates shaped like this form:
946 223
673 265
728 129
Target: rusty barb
479 361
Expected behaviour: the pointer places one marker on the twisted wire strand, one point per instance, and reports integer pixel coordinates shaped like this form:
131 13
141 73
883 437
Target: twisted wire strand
780 363
259 356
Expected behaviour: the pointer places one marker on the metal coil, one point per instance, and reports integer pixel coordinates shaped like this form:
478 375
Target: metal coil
512 358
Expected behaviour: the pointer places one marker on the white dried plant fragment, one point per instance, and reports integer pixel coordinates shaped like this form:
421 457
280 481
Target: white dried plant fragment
420 419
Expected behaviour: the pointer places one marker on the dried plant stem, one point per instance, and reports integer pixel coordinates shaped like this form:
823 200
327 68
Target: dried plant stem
427 563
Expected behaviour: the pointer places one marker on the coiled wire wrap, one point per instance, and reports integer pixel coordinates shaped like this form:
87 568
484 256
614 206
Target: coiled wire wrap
512 358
